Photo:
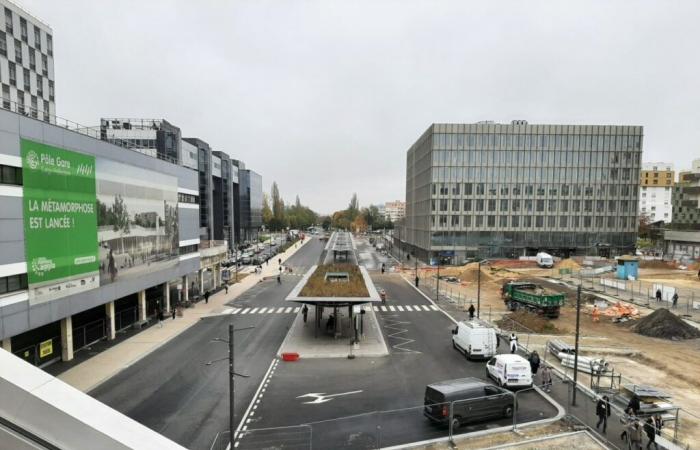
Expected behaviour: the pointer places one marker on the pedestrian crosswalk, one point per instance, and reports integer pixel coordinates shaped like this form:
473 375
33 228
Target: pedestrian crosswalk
406 308
272 310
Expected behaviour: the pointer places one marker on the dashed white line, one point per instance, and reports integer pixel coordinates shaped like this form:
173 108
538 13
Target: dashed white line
245 311
262 310
384 309
376 308
400 307
288 310
425 307
408 308
254 310
391 308
236 310
434 308
296 310
280 310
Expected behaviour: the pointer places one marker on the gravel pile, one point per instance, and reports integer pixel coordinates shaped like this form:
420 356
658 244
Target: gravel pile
662 323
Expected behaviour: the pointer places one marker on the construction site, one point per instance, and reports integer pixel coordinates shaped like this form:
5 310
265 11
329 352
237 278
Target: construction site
637 336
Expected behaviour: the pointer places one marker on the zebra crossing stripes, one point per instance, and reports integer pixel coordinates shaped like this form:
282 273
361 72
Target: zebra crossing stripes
405 308
265 310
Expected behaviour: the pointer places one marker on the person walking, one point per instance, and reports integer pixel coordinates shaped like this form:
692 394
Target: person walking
160 318
634 404
534 362
279 279
206 297
658 295
172 312
546 379
383 268
675 299
602 410
635 435
650 431
658 423
626 419
305 312
471 312
513 343
596 314
279 261
226 288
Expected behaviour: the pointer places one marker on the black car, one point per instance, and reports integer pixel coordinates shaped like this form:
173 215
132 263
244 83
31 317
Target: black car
473 400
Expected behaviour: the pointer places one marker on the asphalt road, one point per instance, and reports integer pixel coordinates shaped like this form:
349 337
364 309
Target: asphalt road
421 353
175 393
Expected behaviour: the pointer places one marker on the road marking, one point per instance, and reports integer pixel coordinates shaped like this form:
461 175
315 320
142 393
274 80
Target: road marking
408 308
253 310
245 311
392 323
391 308
262 310
280 310
425 307
384 309
376 308
236 310
434 308
296 310
400 307
321 397
288 310
227 311
241 424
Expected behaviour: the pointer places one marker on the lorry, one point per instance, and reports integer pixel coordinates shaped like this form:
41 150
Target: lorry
532 297
545 260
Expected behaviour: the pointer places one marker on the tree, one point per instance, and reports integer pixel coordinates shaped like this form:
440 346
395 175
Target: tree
278 217
266 211
359 225
353 207
644 223
120 218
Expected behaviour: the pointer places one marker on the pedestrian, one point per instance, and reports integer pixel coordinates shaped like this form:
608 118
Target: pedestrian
658 423
650 431
498 340
172 313
634 404
534 362
596 314
267 261
513 343
602 410
675 299
206 297
226 288
279 261
658 295
160 318
546 379
635 435
471 312
280 269
626 419
279 279
305 312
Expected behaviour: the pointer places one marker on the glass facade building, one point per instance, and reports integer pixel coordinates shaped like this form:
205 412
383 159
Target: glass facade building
506 190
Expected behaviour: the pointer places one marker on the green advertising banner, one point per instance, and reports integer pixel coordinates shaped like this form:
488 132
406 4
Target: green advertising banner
60 221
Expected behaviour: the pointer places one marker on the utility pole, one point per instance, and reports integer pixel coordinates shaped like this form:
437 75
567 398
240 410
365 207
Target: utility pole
578 324
478 291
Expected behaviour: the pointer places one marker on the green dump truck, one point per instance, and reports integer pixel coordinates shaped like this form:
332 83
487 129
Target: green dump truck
532 297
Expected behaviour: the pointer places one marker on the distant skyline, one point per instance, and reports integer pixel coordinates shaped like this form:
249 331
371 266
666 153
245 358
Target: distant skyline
326 97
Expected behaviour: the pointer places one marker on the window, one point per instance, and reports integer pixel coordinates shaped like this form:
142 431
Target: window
588 191
8 21
51 97
516 204
13 283
600 205
540 190
563 221
588 205
504 205
492 189
599 222
551 221
10 175
587 221
492 205
18 52
35 106
49 44
612 205
442 221
6 96
27 83
527 222
552 205
564 205
528 189
504 190
540 206
539 221
467 205
455 205
515 221
480 189
44 65
528 205
23 28
516 189
455 189
611 221
32 58
443 204
565 189
3 43
455 221
478 221
575 222
39 86
467 221
491 221
480 205
443 189
503 221
187 198
467 189
432 205
37 38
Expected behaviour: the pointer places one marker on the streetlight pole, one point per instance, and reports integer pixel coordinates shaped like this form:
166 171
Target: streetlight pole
478 291
578 323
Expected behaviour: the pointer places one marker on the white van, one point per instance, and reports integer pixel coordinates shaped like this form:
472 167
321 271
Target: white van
510 371
545 260
475 339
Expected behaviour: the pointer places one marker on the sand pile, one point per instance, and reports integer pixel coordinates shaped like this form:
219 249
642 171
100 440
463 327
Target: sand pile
662 323
512 264
526 322
568 264
468 272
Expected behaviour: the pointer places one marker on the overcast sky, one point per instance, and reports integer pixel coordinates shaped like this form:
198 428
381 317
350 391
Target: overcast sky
326 97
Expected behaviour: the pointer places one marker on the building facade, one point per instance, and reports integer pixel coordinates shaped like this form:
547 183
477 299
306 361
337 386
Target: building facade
250 198
686 199
656 191
504 190
26 64
93 238
157 138
395 210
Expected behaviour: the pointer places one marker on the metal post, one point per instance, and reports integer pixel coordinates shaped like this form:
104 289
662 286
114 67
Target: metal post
515 408
437 283
478 291
452 405
231 388
578 324
416 272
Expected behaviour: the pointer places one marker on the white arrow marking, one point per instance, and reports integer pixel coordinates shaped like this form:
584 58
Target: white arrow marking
321 397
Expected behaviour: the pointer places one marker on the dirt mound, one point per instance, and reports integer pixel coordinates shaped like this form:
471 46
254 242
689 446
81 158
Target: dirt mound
468 272
512 264
694 266
656 264
568 264
525 322
662 323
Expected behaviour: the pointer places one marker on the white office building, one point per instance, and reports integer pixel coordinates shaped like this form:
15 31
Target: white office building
26 63
656 191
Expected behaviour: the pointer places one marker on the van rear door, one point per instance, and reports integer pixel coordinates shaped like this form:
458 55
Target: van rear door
517 373
434 402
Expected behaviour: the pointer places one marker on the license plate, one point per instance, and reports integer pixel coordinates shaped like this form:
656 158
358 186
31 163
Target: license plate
512 380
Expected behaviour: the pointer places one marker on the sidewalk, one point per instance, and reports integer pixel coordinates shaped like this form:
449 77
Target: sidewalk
94 371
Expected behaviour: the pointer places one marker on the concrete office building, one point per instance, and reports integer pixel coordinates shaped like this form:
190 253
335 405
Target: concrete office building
504 190
686 199
249 210
93 238
153 137
395 210
656 191
26 64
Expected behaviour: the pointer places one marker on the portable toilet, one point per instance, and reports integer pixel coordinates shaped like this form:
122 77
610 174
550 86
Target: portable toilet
627 267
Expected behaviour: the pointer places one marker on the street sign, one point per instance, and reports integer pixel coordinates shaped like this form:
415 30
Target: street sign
45 348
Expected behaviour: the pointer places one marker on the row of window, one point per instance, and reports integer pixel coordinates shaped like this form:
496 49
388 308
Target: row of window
576 190
13 283
24 32
538 158
187 198
527 205
184 250
26 80
493 221
10 175
533 174
475 141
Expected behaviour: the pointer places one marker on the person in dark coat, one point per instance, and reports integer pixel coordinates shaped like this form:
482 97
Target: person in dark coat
602 410
160 318
305 312
471 312
650 431
172 312
534 362
658 295
675 299
206 297
634 404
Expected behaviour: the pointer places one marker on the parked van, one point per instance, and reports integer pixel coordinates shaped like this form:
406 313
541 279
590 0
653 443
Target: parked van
545 260
475 339
483 401
510 371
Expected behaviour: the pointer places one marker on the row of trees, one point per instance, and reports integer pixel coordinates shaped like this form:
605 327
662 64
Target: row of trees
276 216
357 219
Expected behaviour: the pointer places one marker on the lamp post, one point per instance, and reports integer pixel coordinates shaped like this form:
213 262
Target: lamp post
416 261
478 291
437 282
232 374
578 323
